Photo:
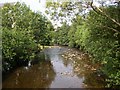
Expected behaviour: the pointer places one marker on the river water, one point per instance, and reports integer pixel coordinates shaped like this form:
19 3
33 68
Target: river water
69 70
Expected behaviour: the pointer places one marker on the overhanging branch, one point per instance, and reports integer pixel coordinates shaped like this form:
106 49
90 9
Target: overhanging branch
99 11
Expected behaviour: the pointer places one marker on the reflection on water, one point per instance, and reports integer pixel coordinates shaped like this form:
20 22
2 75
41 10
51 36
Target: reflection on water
37 76
58 71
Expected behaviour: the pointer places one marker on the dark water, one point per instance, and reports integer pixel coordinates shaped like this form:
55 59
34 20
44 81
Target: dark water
58 71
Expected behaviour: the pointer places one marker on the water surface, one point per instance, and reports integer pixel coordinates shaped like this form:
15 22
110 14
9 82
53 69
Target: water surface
57 71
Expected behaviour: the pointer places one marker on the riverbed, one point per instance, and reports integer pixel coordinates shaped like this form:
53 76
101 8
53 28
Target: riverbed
63 67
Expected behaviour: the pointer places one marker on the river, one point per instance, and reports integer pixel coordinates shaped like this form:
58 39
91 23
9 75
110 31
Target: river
63 68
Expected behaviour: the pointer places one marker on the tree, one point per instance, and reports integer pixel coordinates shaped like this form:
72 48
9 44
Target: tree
61 35
97 32
63 11
23 30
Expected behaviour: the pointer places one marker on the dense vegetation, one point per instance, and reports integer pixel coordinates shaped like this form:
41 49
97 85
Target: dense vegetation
99 35
23 32
97 32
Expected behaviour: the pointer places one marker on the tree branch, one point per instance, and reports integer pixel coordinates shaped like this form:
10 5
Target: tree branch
115 30
99 11
110 28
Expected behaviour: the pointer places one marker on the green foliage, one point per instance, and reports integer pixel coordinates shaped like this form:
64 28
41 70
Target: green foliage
23 30
63 12
18 48
61 35
42 29
97 34
100 37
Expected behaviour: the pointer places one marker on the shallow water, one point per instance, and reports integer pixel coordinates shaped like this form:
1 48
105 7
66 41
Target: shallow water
57 71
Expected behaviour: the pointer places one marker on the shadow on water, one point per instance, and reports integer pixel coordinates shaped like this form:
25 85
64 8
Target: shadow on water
57 71
37 76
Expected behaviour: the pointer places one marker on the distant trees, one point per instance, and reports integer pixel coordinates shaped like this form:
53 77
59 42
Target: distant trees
61 37
22 31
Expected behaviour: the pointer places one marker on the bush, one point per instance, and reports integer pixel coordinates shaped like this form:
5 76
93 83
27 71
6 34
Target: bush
98 36
102 42
23 30
18 48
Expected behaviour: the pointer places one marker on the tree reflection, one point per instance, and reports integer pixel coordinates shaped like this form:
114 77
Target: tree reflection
37 76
